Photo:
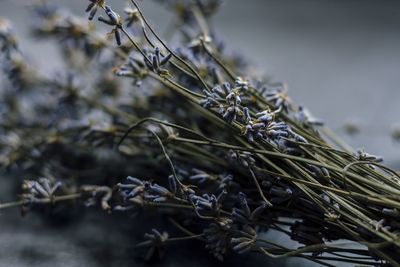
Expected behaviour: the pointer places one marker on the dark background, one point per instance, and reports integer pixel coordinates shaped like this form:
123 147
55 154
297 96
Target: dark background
341 59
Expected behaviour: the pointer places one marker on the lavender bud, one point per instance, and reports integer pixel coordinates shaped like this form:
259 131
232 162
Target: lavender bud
114 17
257 212
155 66
92 13
165 59
117 37
134 180
242 245
243 203
172 184
90 6
106 21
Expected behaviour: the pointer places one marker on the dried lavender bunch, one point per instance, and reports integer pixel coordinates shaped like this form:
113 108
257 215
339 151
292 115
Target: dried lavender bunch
224 156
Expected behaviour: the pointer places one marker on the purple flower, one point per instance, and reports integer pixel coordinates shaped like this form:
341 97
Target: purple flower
92 7
155 242
113 20
245 241
155 62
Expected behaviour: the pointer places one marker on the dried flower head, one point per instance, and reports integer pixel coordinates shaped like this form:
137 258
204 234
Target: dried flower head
155 242
114 19
93 6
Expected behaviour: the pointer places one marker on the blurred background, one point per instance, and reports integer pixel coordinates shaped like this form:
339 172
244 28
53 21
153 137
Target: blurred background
340 59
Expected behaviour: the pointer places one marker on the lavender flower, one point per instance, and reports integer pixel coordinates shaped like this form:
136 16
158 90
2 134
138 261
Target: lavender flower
92 7
213 98
210 101
229 110
279 98
113 20
242 245
73 33
244 215
218 237
132 16
208 204
134 68
156 193
241 84
265 116
133 188
38 192
276 130
18 71
156 61
227 183
364 156
70 129
155 242
288 147
304 116
8 42
281 134
246 241
252 130
173 184
245 159
149 191
233 100
200 177
35 191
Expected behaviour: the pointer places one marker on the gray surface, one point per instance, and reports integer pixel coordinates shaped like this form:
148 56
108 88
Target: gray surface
341 59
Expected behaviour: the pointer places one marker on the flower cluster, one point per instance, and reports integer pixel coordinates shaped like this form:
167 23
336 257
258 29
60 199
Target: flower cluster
93 6
155 242
148 191
304 116
364 156
218 237
263 125
226 157
279 98
8 42
75 34
155 61
245 158
245 241
114 20
14 64
208 204
37 191
134 69
231 98
243 214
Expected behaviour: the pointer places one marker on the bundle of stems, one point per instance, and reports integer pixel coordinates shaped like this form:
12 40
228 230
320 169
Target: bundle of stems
225 156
